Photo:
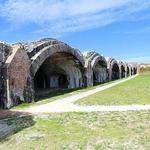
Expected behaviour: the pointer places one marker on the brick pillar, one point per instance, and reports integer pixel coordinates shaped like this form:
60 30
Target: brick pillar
5 93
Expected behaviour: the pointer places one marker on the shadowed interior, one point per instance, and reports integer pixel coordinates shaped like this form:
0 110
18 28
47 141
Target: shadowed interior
135 71
122 71
128 72
115 72
100 72
59 71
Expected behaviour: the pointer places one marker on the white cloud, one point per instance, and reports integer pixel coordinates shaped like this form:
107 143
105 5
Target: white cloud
61 16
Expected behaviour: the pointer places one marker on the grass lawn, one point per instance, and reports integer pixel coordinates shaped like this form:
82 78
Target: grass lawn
85 131
78 131
135 91
57 95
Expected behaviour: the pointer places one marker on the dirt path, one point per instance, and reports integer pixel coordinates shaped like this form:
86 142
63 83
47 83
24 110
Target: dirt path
67 104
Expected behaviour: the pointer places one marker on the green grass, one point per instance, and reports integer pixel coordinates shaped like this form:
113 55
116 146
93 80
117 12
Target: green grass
72 131
135 91
85 131
57 95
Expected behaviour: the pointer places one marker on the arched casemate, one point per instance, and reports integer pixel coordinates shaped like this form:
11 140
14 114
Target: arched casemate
113 68
98 66
127 70
37 68
135 69
123 69
56 65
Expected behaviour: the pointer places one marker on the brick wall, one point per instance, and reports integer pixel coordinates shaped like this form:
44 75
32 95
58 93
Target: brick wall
5 51
18 74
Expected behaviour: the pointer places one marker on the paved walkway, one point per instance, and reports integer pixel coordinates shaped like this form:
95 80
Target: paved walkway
67 104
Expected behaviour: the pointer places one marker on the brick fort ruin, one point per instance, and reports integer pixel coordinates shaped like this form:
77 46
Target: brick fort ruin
31 69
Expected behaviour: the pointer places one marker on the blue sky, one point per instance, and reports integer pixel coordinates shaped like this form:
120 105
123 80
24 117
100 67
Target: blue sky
115 28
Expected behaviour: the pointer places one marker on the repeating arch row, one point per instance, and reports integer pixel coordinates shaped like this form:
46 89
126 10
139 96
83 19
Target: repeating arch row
46 65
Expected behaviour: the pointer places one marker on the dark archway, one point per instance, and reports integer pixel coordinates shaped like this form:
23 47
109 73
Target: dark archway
123 71
59 71
128 71
40 80
58 65
135 70
55 79
100 72
115 72
97 68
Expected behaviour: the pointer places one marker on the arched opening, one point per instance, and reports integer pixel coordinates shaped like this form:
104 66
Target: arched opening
56 79
128 72
122 71
40 80
59 71
100 72
115 72
135 71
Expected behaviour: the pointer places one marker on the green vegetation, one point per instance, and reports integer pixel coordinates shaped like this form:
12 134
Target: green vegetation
57 95
85 131
72 131
135 91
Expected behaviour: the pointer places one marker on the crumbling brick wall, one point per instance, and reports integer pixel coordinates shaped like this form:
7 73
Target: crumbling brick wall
5 51
18 74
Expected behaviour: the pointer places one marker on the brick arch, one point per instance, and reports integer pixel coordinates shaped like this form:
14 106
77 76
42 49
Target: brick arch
92 58
122 64
99 68
97 59
39 58
110 63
